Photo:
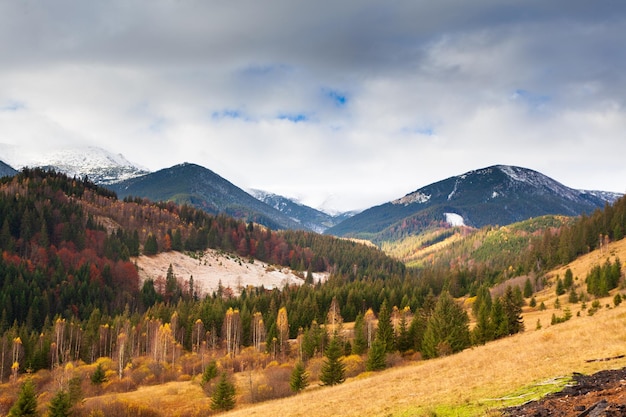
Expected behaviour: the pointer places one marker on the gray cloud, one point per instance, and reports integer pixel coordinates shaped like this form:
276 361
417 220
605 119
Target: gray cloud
356 102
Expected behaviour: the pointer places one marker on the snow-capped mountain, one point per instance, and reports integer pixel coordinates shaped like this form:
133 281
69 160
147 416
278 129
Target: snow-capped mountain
495 195
308 217
100 166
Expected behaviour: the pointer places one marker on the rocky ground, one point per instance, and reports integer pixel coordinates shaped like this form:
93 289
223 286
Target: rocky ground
600 394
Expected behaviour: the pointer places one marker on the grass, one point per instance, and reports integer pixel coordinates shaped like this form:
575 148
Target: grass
476 382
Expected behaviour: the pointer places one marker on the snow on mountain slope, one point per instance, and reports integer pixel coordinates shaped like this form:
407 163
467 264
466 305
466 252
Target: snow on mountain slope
101 166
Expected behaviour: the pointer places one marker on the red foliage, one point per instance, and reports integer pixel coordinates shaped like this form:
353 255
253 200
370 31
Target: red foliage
125 276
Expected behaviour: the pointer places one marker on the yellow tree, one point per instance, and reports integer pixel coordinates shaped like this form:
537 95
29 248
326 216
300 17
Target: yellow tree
232 331
258 330
282 325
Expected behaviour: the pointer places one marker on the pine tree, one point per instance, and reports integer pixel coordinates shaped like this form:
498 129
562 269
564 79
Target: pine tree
98 377
333 369
60 405
360 342
376 356
299 378
385 328
26 404
223 398
209 373
513 310
528 288
447 330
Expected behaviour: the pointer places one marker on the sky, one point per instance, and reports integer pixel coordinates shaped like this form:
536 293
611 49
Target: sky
344 104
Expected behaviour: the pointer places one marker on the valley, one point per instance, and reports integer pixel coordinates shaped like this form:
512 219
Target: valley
101 299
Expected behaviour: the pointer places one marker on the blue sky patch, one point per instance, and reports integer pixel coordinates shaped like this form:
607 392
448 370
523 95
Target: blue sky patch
294 117
227 114
340 99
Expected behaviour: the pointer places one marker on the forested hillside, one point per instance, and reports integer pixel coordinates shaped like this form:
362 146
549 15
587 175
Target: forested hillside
71 292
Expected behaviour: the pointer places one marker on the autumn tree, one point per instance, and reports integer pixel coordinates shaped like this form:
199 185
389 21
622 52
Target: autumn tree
232 331
282 326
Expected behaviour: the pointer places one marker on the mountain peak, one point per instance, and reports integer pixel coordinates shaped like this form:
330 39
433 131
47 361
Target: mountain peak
496 195
100 165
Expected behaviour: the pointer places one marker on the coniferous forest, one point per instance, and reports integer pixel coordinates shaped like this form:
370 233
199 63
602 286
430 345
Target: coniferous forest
70 291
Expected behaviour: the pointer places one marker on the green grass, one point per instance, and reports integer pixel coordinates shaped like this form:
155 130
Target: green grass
490 406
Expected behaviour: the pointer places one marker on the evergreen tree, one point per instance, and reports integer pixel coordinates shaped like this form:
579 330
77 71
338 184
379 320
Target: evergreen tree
360 341
26 404
60 405
98 377
376 356
385 327
299 378
513 310
333 369
209 373
417 329
403 339
528 288
447 329
150 247
223 398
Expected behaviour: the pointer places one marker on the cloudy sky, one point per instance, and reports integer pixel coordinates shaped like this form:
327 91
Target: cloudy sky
341 103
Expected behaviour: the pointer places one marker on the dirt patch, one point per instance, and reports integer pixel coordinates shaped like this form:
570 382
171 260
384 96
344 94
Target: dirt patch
212 267
600 394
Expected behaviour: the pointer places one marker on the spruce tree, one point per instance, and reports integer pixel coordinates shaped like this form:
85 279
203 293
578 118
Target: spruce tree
26 404
223 398
98 376
60 405
333 369
299 378
376 356
209 373
360 341
447 329
385 328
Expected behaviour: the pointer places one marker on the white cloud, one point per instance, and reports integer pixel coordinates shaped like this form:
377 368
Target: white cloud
354 101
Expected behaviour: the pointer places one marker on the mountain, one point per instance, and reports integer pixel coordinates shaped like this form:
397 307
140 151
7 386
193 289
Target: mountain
100 166
310 218
204 189
495 195
6 170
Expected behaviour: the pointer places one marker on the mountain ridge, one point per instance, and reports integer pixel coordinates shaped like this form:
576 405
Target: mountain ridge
192 184
496 195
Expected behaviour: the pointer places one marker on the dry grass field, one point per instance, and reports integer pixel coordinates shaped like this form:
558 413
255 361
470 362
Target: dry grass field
477 381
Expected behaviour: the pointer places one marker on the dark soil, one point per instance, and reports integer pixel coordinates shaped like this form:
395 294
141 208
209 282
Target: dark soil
600 394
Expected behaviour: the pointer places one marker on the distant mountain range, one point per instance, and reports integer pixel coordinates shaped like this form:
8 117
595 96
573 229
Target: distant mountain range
308 217
99 165
202 188
496 195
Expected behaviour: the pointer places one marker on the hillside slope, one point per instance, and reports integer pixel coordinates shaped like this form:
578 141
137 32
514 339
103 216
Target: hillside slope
204 189
496 195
